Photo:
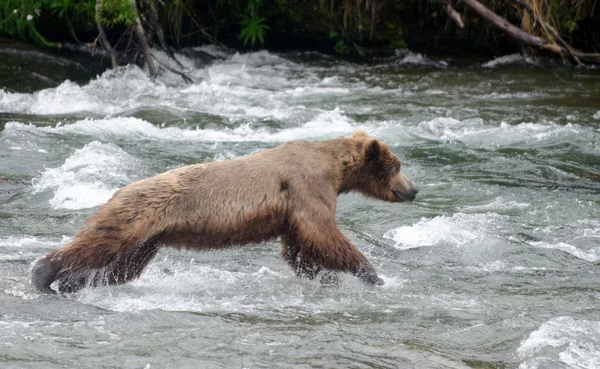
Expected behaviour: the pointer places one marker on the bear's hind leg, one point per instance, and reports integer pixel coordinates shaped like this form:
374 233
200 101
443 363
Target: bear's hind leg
126 268
44 272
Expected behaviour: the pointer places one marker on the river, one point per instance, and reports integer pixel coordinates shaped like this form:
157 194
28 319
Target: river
495 265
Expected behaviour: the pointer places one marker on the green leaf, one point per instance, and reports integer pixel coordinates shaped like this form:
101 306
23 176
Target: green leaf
253 28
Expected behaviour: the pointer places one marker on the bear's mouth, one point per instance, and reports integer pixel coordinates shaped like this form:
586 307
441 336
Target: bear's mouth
404 196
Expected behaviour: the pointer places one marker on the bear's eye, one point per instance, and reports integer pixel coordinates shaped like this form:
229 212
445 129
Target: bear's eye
398 167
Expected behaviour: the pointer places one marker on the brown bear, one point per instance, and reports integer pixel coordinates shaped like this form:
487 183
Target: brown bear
288 191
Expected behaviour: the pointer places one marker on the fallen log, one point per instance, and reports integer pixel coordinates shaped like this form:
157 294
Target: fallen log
549 29
525 37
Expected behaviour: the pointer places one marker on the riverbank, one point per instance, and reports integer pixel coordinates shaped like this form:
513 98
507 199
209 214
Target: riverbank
124 30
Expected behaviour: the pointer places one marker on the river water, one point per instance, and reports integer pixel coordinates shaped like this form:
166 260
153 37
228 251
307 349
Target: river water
495 265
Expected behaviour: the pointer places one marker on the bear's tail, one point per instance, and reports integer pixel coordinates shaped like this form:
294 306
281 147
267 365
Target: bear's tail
45 271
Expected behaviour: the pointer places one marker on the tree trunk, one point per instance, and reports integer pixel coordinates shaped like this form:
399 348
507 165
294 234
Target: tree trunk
138 29
102 35
160 35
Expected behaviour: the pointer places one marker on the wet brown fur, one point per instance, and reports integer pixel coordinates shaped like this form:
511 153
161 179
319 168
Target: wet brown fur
288 191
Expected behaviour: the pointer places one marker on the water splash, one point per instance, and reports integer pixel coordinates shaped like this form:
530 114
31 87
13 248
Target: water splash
477 133
574 342
87 178
457 230
592 256
327 124
512 59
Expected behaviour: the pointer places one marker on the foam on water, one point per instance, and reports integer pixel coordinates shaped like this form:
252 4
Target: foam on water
243 88
25 242
573 342
129 87
88 177
204 288
189 288
457 230
327 124
475 132
406 57
114 91
240 88
509 60
23 248
499 204
593 255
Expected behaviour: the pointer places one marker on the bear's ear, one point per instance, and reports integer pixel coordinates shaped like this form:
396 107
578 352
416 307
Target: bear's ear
360 134
372 151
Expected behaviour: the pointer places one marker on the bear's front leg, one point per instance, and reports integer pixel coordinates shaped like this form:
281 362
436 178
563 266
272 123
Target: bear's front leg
321 243
302 266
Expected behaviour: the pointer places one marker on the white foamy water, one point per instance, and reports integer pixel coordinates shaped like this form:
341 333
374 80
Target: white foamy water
242 87
189 288
511 59
572 342
406 57
477 133
460 229
207 288
114 91
592 255
88 177
327 124
499 204
25 242
24 247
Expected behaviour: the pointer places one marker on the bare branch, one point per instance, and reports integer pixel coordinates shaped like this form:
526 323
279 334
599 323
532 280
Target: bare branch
157 28
183 75
453 14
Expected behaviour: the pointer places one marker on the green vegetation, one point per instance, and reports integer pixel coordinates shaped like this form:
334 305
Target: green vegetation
18 19
116 12
347 27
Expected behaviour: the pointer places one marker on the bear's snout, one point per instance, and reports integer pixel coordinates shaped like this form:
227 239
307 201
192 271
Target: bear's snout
406 195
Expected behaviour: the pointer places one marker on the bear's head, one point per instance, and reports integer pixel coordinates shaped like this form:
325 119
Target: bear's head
380 173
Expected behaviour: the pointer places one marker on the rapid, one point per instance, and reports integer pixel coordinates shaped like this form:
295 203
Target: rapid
496 264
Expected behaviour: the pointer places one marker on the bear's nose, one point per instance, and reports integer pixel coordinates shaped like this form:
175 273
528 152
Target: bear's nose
415 190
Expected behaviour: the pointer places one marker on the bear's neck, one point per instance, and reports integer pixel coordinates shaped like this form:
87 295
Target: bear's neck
346 153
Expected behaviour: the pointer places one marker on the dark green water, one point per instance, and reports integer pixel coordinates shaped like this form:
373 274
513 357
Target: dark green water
496 264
